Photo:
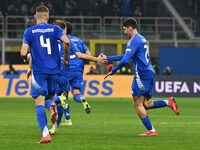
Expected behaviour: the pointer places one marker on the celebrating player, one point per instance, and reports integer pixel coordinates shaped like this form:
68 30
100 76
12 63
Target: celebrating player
143 83
75 69
74 74
45 65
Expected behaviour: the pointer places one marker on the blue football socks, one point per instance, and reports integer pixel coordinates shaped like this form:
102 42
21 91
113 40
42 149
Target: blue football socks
57 99
78 98
147 123
41 117
60 113
48 103
159 103
67 113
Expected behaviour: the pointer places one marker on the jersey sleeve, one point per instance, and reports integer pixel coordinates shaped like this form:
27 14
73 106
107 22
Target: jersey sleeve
26 37
59 32
130 51
115 58
84 47
73 47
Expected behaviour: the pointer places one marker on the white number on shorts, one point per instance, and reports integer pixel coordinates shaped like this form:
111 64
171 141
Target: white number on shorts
147 52
47 44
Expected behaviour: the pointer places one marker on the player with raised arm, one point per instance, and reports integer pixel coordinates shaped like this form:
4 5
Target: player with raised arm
73 73
44 65
143 83
75 70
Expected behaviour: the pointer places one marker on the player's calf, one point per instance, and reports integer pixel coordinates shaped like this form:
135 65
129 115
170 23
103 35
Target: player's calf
54 113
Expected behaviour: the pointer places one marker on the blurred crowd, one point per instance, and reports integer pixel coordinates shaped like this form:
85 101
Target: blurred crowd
78 7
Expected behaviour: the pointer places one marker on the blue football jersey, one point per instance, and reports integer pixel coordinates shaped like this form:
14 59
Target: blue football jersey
137 50
76 64
43 41
73 50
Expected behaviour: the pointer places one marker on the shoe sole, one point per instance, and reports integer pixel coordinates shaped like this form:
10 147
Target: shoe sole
53 117
44 142
147 135
66 124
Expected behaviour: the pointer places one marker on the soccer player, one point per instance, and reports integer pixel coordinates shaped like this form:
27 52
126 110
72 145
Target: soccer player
74 74
76 68
143 83
44 64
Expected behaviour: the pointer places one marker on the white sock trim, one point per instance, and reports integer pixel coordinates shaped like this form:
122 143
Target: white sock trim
45 131
153 129
55 126
167 102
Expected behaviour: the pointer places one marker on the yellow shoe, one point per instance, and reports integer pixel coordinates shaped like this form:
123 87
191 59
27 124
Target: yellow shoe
64 101
67 123
52 131
86 106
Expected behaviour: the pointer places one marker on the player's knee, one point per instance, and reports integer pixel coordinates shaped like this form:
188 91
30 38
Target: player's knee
145 104
136 103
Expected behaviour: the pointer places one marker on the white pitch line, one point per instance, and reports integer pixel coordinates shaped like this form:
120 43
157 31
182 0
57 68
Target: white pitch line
192 117
177 123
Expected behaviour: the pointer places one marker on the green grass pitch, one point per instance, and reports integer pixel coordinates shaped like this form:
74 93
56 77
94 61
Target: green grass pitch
112 125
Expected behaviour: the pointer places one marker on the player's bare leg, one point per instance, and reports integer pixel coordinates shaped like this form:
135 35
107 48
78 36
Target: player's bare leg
148 104
161 103
138 105
141 111
42 119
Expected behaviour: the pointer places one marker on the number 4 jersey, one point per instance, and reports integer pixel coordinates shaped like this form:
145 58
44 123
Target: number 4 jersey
43 41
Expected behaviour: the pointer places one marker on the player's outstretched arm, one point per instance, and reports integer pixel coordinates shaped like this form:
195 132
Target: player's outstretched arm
66 46
112 58
115 58
99 60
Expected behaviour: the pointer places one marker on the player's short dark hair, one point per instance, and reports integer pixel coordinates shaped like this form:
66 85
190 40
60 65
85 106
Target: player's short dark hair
130 22
42 9
60 23
69 27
